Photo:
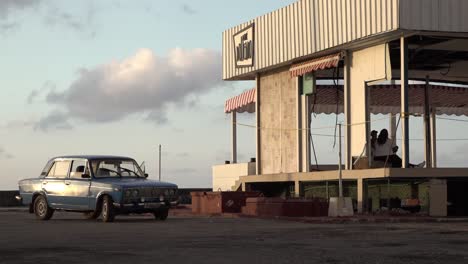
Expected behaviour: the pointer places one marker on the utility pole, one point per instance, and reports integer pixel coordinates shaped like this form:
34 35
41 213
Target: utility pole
159 162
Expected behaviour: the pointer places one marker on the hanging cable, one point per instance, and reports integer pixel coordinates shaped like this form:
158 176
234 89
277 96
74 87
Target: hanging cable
336 75
313 150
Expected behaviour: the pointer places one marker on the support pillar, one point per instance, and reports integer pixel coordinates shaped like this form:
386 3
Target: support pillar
258 158
234 137
300 125
297 189
305 133
427 126
404 103
433 119
360 195
393 126
347 112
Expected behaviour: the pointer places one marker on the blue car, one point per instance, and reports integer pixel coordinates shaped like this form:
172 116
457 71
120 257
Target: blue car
96 186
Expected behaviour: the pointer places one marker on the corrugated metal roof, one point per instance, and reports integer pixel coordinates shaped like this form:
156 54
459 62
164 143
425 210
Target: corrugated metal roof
312 28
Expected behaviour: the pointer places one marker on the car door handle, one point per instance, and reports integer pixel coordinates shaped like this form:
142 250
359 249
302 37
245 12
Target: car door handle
44 182
67 183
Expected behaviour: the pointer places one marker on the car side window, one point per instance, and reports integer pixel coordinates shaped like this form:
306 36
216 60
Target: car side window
59 169
79 167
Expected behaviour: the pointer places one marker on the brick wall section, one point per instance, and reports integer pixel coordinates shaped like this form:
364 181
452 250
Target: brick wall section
278 110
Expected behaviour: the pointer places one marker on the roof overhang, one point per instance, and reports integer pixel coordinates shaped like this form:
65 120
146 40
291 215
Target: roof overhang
384 99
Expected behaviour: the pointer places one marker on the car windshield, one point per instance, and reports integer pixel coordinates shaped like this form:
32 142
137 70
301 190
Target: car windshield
115 168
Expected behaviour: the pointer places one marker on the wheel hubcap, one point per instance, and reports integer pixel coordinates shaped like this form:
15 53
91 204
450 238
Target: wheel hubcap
41 208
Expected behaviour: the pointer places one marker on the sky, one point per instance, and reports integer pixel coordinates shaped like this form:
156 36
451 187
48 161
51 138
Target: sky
120 77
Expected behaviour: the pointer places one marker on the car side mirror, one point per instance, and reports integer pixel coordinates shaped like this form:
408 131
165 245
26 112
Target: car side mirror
85 176
146 175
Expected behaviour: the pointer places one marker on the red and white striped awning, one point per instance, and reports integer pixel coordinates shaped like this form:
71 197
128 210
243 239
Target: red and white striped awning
384 99
327 62
244 102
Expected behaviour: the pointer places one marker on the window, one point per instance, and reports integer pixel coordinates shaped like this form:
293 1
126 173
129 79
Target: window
116 168
78 168
59 169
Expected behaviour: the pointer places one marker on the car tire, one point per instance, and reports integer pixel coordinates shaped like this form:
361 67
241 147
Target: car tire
161 214
41 208
108 211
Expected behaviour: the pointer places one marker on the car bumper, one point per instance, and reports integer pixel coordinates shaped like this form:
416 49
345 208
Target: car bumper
141 207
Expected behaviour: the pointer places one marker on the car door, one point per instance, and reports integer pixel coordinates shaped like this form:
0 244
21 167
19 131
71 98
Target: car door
77 186
54 183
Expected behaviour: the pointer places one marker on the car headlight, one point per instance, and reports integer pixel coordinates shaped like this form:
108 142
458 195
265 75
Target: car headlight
135 193
128 193
166 192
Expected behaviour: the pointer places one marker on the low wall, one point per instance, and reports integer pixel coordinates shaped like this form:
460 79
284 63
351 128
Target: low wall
7 198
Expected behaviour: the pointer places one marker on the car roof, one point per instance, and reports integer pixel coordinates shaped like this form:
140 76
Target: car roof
92 157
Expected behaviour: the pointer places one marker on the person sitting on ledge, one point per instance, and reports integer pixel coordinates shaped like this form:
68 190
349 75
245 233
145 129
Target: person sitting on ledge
385 150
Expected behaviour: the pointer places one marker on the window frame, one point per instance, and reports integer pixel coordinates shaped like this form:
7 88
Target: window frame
53 166
71 167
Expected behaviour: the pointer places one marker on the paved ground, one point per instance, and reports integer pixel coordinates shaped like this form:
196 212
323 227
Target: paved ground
67 238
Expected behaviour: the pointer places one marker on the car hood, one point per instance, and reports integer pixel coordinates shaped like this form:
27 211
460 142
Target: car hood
135 182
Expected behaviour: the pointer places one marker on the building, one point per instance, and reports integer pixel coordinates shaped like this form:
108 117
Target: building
373 49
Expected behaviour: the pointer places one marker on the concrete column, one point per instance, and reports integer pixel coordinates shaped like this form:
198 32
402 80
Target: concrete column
360 196
404 102
258 158
297 189
438 197
433 119
234 137
347 112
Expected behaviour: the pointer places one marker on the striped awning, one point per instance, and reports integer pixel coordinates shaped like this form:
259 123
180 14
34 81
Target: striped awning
384 99
327 62
244 102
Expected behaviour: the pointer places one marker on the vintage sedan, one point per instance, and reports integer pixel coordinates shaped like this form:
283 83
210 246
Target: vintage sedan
96 186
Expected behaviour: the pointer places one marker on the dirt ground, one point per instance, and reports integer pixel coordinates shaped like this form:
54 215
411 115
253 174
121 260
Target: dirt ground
68 238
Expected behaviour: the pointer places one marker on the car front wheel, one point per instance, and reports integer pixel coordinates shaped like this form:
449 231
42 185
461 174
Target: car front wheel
108 212
42 209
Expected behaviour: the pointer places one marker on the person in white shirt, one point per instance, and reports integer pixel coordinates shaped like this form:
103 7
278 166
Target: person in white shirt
385 150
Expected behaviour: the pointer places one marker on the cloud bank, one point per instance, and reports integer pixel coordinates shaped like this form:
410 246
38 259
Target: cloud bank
142 83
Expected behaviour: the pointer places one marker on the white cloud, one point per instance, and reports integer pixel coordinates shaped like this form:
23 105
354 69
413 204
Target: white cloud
187 9
7 6
143 83
4 154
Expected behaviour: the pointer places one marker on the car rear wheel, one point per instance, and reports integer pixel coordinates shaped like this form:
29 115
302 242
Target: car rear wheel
42 209
108 212
161 214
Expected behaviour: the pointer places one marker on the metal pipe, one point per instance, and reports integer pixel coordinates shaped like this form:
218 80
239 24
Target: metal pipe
234 137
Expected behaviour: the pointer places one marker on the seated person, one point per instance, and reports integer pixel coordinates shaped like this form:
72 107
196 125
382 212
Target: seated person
385 150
